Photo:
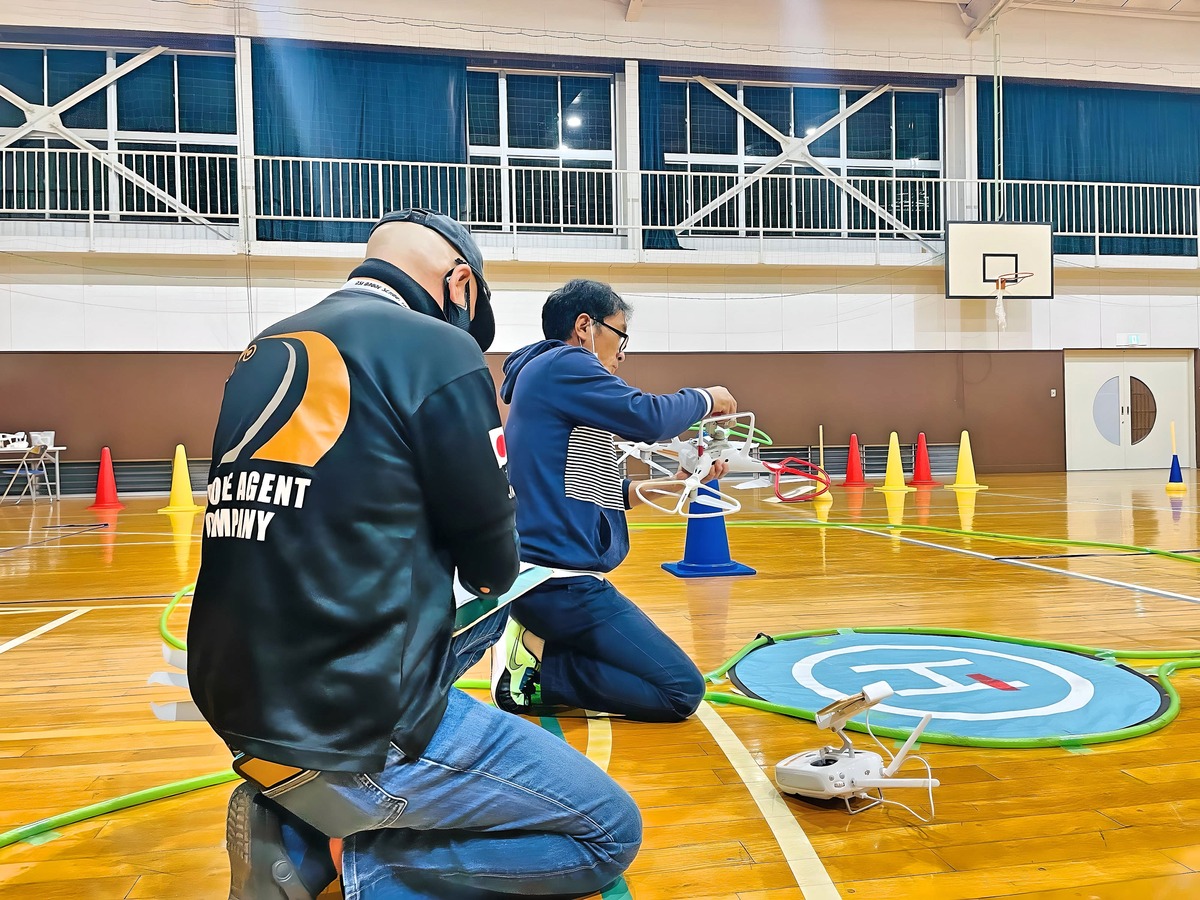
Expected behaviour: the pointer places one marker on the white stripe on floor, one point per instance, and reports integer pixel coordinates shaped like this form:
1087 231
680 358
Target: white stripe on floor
801 856
61 620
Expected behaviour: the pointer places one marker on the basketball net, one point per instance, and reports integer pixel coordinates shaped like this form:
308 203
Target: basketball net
1002 284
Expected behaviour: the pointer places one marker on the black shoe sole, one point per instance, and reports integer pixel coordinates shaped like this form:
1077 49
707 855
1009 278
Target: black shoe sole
259 868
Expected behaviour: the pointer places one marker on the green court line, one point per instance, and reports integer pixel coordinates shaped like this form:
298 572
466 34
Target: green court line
935 529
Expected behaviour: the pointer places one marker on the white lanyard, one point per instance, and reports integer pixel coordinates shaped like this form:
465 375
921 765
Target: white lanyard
378 287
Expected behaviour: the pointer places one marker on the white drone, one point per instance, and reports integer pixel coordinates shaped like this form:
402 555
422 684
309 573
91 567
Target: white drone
848 774
712 444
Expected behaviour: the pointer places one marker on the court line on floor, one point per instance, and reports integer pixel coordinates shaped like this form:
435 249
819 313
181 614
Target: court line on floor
58 537
1190 550
810 873
29 636
1111 582
26 610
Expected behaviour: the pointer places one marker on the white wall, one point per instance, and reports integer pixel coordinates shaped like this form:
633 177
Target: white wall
105 302
869 35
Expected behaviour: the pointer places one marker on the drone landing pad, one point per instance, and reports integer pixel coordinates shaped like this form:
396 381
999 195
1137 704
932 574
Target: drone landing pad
979 691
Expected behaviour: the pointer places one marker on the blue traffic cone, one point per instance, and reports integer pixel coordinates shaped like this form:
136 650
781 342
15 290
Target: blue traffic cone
706 548
1175 483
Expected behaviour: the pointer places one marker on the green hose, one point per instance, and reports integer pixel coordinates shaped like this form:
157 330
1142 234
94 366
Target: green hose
33 829
165 632
1177 659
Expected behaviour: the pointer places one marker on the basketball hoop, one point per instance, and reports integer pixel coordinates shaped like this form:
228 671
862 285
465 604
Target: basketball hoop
1002 284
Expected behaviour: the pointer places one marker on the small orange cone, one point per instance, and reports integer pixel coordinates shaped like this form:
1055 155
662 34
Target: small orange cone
106 484
922 477
854 468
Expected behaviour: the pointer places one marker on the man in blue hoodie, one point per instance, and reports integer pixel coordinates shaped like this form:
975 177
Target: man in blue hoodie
575 640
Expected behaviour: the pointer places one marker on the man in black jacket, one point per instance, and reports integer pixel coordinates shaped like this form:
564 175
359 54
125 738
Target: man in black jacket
358 463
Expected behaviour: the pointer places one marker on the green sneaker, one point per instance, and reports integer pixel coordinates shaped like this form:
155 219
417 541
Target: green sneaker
515 672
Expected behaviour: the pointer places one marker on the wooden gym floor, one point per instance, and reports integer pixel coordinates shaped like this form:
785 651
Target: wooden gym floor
78 637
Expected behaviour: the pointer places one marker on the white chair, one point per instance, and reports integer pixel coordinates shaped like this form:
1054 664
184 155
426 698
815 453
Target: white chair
33 466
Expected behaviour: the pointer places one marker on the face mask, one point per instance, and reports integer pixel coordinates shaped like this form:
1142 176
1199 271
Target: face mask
458 316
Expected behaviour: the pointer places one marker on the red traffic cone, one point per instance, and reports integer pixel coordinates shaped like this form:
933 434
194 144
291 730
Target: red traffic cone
106 484
854 469
922 477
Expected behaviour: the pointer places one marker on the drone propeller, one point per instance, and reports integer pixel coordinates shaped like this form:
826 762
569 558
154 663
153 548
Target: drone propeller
670 495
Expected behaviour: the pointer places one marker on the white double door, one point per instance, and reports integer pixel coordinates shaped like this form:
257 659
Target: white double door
1120 405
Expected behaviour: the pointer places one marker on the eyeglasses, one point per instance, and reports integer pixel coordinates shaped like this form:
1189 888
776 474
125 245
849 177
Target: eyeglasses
618 332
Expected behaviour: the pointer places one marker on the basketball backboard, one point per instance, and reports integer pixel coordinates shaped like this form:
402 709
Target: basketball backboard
979 253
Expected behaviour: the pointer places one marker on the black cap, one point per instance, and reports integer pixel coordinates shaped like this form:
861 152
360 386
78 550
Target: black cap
483 323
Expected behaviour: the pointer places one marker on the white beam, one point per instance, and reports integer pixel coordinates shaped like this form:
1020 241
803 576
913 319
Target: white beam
979 14
109 158
45 117
633 11
796 149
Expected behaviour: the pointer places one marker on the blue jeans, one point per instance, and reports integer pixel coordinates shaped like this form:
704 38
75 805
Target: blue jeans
494 807
603 653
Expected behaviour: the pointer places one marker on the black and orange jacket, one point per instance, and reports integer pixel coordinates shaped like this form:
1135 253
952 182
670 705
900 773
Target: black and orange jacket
357 463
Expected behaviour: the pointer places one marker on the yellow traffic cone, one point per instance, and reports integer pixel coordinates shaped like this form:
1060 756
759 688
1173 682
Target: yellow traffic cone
895 507
966 508
822 505
893 479
181 536
964 480
181 485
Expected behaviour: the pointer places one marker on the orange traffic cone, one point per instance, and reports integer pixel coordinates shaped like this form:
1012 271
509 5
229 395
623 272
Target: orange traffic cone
922 477
854 468
106 484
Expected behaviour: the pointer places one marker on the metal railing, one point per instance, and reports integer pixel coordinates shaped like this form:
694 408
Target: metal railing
548 198
315 199
58 183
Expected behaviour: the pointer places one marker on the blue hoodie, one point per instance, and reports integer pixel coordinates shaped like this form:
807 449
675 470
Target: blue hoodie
563 465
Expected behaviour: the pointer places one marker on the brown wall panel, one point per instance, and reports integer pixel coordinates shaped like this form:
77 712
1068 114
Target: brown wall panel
1002 399
139 404
142 404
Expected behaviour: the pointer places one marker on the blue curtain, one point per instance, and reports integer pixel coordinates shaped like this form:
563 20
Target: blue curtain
655 188
349 104
1058 132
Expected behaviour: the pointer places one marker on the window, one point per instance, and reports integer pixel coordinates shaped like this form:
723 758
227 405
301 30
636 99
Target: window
775 106
207 104
586 113
815 107
869 131
146 96
918 135
22 72
66 72
712 123
707 143
483 109
533 121
175 125
541 150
